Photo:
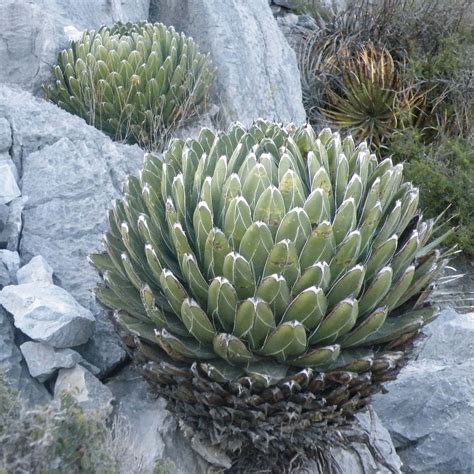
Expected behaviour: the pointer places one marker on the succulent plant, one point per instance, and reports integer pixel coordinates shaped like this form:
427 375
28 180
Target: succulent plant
262 279
135 81
368 95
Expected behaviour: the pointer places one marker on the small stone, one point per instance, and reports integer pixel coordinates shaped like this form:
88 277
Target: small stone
9 189
47 313
36 270
85 388
43 361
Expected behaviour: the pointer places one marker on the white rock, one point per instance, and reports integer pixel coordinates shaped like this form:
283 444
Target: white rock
49 314
36 270
256 70
67 199
9 189
44 361
429 409
85 388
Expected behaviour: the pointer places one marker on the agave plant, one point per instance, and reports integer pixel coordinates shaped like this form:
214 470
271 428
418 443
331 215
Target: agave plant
262 279
368 96
135 81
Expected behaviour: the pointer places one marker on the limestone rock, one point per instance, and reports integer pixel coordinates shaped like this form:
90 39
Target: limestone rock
48 313
29 390
256 70
85 388
36 270
71 173
9 189
9 264
152 431
429 408
44 361
32 32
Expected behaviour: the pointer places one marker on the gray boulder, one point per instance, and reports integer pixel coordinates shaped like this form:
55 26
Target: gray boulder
71 173
256 70
85 388
30 392
429 408
44 361
48 313
152 431
32 32
36 270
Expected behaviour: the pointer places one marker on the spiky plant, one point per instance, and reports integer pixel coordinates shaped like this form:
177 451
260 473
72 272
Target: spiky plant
135 81
262 279
367 95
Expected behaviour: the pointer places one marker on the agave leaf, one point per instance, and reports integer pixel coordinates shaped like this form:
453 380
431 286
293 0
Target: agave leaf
195 279
238 219
215 251
255 247
274 290
221 371
337 323
222 302
376 291
133 326
380 256
286 340
180 348
342 176
283 259
347 286
346 255
320 246
308 307
253 321
345 220
239 272
317 357
231 349
174 291
322 181
197 321
317 274
368 326
405 255
295 226
292 191
317 207
270 208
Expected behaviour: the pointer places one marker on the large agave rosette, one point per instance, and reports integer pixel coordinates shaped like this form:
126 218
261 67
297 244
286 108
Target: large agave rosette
261 277
135 81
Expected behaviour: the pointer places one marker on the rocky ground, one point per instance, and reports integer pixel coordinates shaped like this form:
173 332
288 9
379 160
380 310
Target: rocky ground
58 176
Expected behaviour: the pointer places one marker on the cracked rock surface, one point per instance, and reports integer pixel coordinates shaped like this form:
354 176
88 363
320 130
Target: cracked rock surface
70 174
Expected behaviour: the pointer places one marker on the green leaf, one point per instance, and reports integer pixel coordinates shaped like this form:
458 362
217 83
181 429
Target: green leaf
197 321
285 341
274 290
232 349
283 259
337 323
255 247
347 286
317 274
239 272
222 302
216 249
317 357
308 307
320 246
367 327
